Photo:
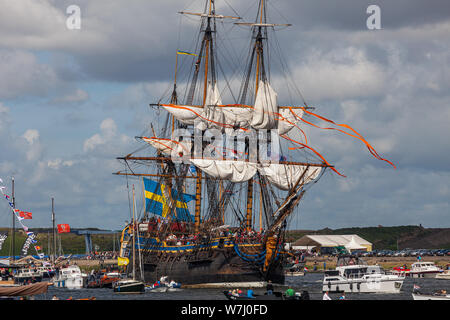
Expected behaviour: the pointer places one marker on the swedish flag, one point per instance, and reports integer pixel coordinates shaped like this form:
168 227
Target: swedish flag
156 201
185 52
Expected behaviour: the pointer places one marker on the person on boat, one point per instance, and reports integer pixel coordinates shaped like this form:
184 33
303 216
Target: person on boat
269 287
235 293
289 292
55 297
172 284
250 293
343 296
326 296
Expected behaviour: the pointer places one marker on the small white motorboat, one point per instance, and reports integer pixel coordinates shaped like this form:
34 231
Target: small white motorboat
70 277
424 269
354 275
444 275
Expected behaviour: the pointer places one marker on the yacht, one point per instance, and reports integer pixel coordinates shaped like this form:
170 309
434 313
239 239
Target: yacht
424 269
70 277
354 275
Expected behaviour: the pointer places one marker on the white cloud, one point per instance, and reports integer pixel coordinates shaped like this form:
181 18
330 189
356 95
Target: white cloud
342 74
108 141
76 96
23 74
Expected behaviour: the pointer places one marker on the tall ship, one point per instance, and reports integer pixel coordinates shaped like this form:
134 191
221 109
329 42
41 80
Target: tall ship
221 182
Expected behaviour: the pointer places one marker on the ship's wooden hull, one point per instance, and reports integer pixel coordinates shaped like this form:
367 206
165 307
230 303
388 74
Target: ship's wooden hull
215 266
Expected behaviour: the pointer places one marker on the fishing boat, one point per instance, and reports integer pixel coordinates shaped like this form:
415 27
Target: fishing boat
220 182
354 275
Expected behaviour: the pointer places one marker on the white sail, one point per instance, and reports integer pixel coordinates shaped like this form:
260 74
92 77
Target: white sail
212 116
266 108
169 147
285 176
184 114
287 120
235 171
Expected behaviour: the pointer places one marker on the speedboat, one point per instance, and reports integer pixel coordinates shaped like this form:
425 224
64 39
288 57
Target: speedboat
443 275
152 288
164 287
424 269
352 274
70 278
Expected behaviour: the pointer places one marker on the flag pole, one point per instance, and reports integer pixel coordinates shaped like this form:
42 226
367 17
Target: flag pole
54 231
13 221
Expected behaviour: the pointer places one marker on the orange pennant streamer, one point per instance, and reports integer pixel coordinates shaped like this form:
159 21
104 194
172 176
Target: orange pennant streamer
358 136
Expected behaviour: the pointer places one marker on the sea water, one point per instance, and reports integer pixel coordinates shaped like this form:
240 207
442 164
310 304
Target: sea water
311 282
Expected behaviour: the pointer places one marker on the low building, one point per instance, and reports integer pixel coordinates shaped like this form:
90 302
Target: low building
323 243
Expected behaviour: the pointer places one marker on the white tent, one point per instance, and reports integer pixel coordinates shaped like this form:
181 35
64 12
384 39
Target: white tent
353 245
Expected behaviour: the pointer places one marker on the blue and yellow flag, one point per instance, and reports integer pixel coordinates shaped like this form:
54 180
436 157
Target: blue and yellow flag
156 201
185 52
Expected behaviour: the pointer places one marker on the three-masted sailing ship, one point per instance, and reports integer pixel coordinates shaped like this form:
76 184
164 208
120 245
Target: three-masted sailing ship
221 181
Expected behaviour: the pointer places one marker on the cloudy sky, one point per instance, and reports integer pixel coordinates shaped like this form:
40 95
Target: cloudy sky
73 100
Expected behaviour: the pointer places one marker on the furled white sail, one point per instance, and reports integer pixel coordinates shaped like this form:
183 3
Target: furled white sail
212 116
266 108
239 117
264 115
285 176
287 120
184 114
168 146
235 171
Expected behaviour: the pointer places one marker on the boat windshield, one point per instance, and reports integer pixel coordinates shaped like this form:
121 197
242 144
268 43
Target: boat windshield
355 272
350 261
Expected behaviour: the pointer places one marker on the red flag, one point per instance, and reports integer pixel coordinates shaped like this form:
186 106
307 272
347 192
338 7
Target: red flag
63 228
25 215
